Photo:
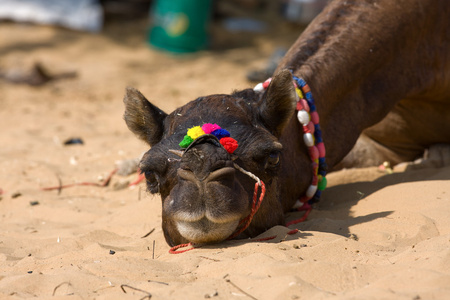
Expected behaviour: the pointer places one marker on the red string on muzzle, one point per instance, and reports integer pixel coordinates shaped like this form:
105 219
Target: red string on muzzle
244 223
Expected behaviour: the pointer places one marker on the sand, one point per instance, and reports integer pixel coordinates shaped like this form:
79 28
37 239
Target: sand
374 235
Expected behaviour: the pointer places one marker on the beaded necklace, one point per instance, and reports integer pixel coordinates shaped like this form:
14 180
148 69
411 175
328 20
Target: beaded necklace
312 136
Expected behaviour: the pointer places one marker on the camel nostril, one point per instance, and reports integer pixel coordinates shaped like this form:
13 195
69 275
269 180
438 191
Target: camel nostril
223 174
187 175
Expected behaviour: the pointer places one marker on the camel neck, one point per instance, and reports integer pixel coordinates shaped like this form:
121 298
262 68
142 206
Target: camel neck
358 73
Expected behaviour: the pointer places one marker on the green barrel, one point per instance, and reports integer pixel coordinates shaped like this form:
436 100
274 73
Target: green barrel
180 26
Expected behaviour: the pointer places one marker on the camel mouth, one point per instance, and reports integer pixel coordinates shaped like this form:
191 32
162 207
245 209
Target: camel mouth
204 231
206 207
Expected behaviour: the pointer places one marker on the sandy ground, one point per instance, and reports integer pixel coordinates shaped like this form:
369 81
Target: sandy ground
373 236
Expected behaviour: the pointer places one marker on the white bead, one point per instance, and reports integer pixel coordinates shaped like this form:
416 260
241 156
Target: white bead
259 87
308 139
311 191
303 117
297 204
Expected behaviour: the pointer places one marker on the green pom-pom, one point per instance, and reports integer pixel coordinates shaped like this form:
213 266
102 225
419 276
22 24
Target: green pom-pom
322 184
186 141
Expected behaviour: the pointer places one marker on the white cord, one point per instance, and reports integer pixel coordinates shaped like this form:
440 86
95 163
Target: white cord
250 174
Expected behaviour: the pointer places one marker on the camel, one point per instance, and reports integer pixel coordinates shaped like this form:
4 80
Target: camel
379 71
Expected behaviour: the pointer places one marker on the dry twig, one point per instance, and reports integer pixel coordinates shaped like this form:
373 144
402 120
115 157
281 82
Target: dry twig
148 296
241 290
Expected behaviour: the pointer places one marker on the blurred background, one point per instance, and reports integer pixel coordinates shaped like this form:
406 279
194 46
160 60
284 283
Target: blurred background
176 26
64 67
65 64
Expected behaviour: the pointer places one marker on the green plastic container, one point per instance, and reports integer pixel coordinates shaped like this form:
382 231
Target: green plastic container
180 26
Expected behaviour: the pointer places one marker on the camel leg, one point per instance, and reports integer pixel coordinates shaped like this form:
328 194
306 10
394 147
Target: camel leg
437 156
402 136
391 140
367 153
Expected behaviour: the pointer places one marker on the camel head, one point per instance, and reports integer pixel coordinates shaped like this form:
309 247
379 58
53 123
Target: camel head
204 197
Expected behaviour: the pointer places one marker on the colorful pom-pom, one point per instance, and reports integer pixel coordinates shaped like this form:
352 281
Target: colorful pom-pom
208 127
195 132
229 144
220 133
186 141
299 106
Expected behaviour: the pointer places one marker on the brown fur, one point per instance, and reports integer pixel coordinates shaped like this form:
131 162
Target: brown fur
364 60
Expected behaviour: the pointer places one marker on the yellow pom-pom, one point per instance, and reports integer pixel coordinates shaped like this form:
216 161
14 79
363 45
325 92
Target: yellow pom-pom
195 132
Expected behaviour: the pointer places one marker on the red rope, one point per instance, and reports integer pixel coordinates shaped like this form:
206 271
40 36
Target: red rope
174 249
307 208
255 206
141 177
103 184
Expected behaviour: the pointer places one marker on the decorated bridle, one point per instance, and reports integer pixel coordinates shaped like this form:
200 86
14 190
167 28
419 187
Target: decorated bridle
312 136
230 145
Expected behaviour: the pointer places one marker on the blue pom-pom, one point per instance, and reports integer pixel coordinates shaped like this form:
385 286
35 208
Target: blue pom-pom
220 133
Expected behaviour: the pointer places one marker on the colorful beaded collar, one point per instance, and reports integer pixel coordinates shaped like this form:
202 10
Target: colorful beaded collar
312 136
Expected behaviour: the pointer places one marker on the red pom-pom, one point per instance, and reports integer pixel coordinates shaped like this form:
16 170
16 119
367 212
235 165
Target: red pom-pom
229 144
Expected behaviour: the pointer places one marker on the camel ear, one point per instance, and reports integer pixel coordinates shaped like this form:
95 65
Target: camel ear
143 118
279 102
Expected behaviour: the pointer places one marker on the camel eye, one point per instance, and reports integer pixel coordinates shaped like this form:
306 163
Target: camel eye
274 159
